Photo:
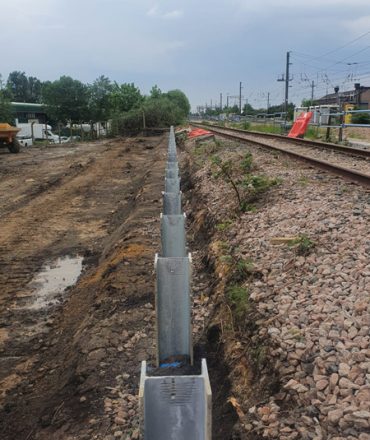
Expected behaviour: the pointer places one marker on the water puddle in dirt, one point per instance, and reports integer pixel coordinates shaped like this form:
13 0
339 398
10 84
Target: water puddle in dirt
53 279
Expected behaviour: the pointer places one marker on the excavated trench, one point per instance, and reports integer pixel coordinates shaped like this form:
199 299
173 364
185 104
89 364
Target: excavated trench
85 379
242 371
209 344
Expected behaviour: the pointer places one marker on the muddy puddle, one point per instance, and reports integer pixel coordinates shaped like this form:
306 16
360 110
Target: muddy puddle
33 309
53 279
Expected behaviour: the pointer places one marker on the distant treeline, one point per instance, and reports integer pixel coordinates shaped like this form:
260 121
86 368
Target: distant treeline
69 100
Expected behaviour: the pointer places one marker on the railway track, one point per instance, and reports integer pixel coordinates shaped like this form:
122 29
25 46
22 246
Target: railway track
350 163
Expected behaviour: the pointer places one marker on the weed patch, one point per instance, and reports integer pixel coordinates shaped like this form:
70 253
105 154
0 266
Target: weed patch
302 244
247 187
238 299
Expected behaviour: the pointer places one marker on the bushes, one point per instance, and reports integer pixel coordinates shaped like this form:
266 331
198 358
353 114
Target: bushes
360 118
247 187
155 112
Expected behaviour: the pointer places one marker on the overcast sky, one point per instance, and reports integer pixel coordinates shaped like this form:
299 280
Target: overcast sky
202 47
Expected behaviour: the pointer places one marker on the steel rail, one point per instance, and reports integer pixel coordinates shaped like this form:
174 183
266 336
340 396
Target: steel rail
352 175
307 142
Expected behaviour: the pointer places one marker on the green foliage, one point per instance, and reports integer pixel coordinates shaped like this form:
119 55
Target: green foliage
246 162
233 109
243 268
125 97
99 99
67 99
225 225
6 113
306 102
360 118
155 92
131 121
238 297
22 88
303 244
259 355
180 100
204 149
246 186
159 111
303 180
258 184
266 128
162 112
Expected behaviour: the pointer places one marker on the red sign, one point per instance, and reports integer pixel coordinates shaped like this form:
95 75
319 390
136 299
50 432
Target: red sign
300 125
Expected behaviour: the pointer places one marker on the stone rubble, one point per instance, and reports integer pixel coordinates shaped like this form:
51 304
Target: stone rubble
313 310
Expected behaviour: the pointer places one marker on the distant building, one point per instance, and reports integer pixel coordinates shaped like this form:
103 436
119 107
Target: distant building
28 112
360 97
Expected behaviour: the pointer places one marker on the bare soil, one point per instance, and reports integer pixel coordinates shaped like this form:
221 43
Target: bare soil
68 366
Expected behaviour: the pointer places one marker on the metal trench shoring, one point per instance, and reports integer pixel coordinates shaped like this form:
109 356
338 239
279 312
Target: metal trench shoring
179 406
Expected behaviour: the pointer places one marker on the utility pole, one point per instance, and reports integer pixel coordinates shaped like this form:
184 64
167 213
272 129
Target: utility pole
268 102
287 79
313 85
340 134
240 97
221 101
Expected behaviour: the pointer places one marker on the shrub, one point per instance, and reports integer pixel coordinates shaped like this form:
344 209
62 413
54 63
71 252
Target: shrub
361 118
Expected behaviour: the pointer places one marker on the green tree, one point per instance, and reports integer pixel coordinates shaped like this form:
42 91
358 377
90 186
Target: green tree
155 92
66 99
180 100
280 108
125 97
34 88
22 88
248 109
100 92
233 109
6 112
17 86
162 112
306 102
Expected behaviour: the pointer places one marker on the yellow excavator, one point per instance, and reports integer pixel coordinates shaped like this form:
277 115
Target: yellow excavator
8 138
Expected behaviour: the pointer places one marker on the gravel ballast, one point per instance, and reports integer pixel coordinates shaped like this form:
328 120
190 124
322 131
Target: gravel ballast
312 304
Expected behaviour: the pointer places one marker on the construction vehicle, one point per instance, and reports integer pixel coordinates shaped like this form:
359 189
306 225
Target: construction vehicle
8 138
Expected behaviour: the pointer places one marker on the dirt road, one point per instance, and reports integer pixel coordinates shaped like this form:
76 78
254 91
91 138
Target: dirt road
65 359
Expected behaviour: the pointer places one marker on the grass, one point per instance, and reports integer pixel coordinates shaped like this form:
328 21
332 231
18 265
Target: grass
243 268
303 181
259 355
303 244
224 226
246 186
238 297
266 128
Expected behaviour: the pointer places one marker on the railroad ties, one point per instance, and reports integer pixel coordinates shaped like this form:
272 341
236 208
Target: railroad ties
175 397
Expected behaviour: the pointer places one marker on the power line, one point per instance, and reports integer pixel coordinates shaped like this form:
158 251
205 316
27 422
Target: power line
340 47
